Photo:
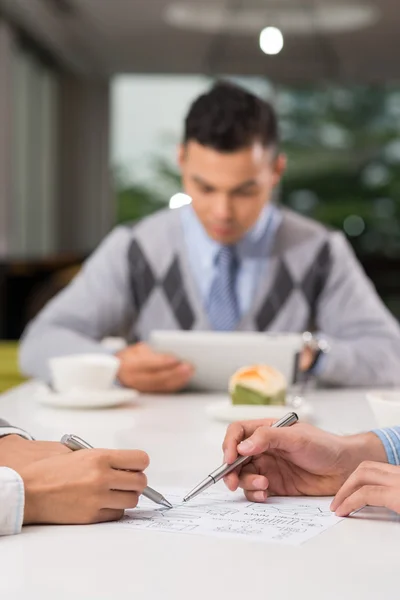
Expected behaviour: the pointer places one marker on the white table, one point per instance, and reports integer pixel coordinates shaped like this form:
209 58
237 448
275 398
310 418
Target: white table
357 559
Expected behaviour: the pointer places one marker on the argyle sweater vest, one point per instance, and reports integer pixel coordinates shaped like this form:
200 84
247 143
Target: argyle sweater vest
164 293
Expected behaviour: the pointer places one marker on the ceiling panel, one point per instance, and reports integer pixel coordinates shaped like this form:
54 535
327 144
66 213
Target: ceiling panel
133 36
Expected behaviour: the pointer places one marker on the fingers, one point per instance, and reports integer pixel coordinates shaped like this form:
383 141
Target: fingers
258 496
267 438
148 371
306 358
367 495
108 514
130 460
128 481
166 380
254 486
368 473
146 359
237 432
232 481
234 435
251 482
234 438
121 500
249 479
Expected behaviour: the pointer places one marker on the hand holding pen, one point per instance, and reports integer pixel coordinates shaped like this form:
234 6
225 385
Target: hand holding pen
73 442
232 460
294 461
82 487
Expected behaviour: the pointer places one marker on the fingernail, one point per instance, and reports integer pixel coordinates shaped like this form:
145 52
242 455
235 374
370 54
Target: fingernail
186 368
260 496
246 446
261 483
339 512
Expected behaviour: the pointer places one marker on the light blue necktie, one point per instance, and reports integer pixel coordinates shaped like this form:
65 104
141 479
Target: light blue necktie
223 307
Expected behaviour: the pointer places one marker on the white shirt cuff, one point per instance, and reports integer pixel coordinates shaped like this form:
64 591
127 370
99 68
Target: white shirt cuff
12 501
14 431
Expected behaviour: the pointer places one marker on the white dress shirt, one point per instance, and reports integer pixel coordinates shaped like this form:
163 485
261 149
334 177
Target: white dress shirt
12 501
252 252
12 492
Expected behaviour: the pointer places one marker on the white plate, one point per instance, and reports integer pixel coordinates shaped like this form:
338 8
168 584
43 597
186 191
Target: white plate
229 413
85 399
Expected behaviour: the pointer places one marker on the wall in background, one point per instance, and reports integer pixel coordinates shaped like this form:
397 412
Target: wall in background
56 197
35 132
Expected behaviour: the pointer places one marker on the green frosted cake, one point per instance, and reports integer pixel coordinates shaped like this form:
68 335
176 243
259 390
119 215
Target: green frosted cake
258 384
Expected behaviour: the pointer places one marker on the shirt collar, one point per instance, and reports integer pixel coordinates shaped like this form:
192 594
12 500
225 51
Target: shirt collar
197 237
247 247
250 245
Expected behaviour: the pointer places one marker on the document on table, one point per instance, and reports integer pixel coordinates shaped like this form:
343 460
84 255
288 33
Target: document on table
279 520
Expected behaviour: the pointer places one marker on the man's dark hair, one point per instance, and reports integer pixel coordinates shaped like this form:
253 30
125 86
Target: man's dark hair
228 118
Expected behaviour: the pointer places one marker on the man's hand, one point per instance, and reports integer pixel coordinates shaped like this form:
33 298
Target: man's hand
307 357
147 371
88 486
17 452
293 461
372 484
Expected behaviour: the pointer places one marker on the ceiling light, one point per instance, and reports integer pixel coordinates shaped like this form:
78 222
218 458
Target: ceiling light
271 40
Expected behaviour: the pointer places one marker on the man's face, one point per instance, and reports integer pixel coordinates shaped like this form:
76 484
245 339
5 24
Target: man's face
229 190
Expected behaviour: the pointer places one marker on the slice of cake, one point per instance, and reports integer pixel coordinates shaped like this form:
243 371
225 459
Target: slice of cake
258 384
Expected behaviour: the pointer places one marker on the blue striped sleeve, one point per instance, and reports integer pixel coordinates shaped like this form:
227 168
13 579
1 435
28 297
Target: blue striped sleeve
390 438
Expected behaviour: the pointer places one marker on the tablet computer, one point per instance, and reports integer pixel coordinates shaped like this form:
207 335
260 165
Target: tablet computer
217 355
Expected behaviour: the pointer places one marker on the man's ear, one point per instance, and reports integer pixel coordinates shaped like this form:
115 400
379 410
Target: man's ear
280 168
180 155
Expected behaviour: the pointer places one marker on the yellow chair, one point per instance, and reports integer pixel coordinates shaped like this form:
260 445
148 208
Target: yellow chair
10 375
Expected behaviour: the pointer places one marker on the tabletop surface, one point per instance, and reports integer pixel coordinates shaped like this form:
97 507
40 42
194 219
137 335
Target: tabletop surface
356 559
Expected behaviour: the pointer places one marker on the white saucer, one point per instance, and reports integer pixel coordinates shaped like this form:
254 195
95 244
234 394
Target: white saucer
85 399
226 412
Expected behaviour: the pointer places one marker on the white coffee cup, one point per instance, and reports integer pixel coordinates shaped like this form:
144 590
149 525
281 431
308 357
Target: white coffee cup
385 405
89 372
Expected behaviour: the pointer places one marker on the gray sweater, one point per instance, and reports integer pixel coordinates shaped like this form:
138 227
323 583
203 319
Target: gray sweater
139 279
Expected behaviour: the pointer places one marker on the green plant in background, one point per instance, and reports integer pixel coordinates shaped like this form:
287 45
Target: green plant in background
344 162
134 201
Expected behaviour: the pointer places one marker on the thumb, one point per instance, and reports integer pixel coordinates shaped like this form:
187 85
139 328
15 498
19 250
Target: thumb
263 439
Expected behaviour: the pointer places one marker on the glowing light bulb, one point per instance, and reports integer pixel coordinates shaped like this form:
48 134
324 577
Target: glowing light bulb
271 40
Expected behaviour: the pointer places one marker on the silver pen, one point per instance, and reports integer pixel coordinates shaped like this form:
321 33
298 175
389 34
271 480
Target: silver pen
73 442
223 470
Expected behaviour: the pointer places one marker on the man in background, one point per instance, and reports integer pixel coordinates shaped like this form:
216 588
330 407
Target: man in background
231 261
